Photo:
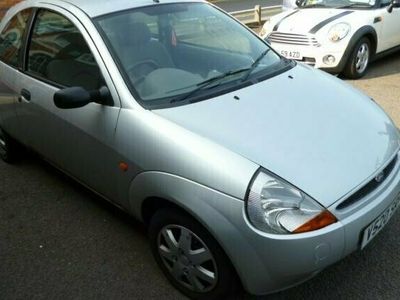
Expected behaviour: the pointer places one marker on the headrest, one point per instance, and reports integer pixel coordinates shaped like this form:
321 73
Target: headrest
75 46
135 34
74 38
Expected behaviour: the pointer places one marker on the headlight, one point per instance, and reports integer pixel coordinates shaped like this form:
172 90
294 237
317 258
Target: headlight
265 29
275 206
338 32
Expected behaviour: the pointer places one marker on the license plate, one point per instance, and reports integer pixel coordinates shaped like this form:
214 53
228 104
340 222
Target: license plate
373 229
291 54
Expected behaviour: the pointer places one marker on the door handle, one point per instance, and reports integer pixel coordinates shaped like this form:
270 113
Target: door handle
25 96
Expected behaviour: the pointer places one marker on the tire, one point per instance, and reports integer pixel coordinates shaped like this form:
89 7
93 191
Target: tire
169 231
9 148
358 62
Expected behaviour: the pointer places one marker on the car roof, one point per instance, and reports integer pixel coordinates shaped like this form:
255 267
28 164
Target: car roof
94 8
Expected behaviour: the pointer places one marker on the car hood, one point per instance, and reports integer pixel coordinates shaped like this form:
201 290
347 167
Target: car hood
305 20
308 127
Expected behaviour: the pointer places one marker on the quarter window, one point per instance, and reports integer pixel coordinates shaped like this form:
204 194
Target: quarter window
11 38
58 53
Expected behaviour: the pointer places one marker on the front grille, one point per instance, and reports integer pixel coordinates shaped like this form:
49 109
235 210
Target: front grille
293 39
369 187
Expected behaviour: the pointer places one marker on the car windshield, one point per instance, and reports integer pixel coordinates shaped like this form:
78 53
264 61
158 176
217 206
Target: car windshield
338 3
175 53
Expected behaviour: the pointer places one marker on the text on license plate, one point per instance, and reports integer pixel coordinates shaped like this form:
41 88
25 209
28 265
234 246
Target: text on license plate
373 229
291 54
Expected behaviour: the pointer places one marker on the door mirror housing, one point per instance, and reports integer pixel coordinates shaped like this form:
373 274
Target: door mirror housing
76 97
394 4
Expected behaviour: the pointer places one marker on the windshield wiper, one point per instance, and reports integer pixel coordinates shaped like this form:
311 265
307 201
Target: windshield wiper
206 84
254 65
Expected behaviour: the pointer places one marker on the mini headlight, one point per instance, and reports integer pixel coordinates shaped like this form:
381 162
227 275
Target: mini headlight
275 206
338 32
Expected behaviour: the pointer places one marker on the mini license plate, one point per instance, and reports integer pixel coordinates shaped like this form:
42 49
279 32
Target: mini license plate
373 229
292 54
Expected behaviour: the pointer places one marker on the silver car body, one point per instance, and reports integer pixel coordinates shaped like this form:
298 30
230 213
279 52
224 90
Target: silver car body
329 141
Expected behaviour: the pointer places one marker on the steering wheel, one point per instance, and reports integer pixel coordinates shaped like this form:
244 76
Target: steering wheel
140 70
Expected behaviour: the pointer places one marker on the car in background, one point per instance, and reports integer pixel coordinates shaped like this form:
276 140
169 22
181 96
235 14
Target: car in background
183 117
339 36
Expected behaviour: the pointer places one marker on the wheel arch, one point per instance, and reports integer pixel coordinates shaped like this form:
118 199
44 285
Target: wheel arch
372 36
365 31
153 190
152 204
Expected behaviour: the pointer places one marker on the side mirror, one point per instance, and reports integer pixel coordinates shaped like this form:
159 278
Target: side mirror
299 3
394 4
75 97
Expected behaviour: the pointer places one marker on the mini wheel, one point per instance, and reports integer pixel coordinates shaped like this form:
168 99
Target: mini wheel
358 62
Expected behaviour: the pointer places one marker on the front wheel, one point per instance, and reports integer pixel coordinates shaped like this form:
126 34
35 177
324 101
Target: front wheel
360 57
190 257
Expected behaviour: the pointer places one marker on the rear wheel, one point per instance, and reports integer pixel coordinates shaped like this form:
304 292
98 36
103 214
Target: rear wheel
190 257
9 148
359 59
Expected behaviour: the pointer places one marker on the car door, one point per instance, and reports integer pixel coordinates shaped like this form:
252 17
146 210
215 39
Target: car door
80 141
11 46
390 34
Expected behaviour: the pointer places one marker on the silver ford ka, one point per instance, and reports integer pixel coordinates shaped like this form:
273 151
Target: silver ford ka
180 115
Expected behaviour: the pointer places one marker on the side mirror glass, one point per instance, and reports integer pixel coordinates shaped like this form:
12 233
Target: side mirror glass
76 97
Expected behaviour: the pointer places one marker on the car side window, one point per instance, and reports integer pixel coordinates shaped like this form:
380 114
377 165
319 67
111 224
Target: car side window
11 38
58 53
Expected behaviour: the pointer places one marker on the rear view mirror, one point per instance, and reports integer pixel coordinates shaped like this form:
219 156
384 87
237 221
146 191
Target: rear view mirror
75 97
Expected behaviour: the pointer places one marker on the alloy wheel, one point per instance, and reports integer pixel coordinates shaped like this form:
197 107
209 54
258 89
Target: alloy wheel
187 258
362 58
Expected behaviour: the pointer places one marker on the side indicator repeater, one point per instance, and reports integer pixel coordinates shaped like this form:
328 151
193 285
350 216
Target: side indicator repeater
123 166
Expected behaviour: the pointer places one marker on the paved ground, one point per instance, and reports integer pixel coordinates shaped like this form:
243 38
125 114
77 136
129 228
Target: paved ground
383 84
59 241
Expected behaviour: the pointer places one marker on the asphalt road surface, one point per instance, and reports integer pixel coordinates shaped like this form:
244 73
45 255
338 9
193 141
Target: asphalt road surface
59 241
236 5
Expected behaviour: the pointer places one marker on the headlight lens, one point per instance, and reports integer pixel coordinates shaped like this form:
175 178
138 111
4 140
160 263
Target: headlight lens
338 32
275 206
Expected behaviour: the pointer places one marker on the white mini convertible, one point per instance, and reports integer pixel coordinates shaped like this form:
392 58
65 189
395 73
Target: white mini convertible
339 36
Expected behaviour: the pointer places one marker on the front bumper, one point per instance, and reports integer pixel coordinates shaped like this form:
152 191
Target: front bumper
268 263
314 56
